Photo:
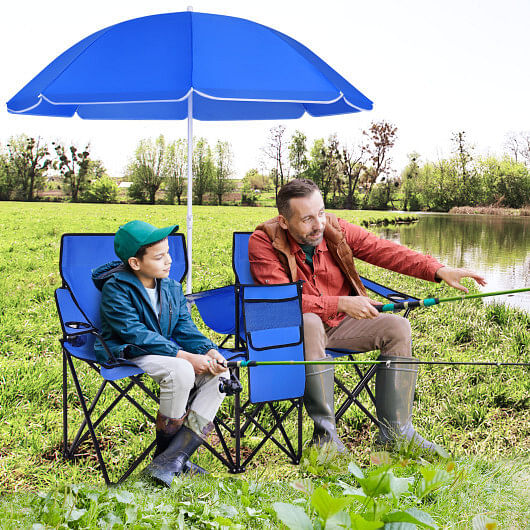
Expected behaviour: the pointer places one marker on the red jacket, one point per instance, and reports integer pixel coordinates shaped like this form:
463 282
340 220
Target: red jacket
273 253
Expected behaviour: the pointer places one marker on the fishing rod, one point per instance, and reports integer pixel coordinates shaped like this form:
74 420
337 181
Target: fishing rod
388 362
426 302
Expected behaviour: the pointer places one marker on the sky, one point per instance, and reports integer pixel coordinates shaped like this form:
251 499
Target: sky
431 68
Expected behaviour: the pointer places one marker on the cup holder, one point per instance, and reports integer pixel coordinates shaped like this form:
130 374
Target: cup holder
77 325
397 297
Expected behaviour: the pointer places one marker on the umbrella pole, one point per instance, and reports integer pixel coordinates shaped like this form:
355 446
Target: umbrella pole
189 217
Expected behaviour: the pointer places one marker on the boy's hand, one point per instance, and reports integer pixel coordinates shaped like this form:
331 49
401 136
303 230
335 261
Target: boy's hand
218 363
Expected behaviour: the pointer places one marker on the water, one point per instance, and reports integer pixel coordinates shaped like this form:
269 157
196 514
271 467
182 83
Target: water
497 247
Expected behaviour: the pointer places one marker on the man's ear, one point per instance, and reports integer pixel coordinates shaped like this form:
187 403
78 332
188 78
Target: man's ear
134 263
283 222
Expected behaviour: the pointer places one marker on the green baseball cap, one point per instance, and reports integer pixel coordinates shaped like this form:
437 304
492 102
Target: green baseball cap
135 234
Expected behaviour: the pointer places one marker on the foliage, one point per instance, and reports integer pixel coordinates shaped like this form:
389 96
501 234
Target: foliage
298 153
380 138
440 186
203 169
408 187
104 189
223 170
147 170
383 497
73 165
26 166
177 168
504 182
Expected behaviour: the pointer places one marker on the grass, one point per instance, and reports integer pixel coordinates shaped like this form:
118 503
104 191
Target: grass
481 414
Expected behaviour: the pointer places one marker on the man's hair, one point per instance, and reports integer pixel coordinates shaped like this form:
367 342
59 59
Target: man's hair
294 188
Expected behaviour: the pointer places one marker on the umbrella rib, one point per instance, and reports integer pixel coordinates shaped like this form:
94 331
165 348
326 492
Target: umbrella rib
57 103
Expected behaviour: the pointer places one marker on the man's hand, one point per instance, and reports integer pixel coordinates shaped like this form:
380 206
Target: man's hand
358 307
205 363
453 276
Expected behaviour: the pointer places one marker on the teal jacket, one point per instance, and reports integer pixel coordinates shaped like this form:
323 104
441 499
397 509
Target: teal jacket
129 324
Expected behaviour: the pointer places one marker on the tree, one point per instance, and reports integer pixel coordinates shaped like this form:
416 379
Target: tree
518 146
297 153
409 176
351 165
7 179
147 170
176 166
28 160
317 163
381 137
203 169
74 166
223 170
275 150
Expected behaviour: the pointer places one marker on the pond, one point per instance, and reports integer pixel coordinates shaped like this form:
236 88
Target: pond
498 247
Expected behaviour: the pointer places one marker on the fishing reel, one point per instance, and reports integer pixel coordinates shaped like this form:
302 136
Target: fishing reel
230 386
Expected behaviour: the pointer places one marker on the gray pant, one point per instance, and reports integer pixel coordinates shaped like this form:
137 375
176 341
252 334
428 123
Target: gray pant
178 381
388 333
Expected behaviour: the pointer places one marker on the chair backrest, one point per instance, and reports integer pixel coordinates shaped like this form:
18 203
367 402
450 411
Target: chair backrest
240 262
273 324
81 253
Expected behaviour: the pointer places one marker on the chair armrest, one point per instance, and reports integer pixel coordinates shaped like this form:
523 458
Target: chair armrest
73 321
387 292
217 308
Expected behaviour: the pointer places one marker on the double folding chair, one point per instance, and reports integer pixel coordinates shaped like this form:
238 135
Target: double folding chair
350 396
256 317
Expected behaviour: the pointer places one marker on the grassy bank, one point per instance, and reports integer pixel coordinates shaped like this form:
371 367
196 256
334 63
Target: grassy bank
490 210
481 414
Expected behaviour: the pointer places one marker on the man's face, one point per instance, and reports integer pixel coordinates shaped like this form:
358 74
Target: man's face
155 263
307 220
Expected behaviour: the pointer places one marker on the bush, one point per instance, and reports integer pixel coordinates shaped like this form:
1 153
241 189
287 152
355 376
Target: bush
103 189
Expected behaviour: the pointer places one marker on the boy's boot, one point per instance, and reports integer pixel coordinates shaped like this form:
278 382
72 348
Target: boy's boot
166 429
319 403
173 460
394 396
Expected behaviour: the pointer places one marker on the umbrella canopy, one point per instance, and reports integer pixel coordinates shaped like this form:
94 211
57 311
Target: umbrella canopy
188 65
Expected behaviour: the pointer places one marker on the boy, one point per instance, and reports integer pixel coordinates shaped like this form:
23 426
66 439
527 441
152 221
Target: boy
144 317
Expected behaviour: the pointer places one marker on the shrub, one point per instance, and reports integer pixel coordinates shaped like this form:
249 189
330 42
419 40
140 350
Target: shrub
103 189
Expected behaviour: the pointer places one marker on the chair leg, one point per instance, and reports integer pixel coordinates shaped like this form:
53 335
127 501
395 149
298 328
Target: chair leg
65 406
89 422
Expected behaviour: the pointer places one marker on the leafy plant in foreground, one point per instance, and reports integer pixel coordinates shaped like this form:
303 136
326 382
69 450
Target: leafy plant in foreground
383 498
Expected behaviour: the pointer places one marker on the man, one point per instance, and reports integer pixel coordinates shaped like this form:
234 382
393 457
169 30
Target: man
305 243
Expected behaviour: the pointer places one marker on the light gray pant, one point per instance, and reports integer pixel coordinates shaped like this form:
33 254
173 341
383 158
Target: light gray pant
178 381
388 333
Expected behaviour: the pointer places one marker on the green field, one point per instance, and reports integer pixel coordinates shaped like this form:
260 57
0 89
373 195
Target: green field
481 414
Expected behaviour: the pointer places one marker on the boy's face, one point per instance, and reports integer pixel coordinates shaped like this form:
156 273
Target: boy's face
155 263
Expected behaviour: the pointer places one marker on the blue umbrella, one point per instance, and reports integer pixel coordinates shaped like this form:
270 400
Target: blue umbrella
188 65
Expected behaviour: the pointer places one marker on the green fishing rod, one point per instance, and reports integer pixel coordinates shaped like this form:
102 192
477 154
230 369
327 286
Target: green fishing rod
388 362
426 302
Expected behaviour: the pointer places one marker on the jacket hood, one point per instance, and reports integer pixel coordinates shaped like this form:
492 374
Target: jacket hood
104 272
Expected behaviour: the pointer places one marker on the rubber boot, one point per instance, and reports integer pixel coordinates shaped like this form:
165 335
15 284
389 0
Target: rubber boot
166 429
173 460
319 403
394 396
